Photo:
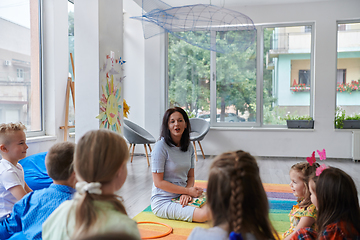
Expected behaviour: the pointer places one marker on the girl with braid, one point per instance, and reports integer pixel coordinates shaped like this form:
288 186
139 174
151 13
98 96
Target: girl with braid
100 166
237 201
304 213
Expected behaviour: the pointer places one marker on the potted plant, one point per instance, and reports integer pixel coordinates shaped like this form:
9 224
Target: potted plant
346 122
299 121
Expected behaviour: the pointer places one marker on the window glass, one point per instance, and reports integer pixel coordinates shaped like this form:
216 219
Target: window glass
20 69
71 50
189 78
348 68
286 73
236 81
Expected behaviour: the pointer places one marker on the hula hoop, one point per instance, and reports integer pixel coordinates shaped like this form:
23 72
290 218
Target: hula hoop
160 235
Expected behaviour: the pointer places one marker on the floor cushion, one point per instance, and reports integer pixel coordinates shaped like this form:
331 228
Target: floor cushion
35 173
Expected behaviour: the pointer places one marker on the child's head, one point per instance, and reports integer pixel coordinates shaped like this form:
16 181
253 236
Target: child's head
59 161
300 174
236 196
337 199
100 157
13 141
167 131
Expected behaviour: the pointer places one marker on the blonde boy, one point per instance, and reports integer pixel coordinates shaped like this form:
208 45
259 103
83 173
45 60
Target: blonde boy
12 149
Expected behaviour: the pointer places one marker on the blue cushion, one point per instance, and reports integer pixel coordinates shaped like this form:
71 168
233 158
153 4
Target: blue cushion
35 173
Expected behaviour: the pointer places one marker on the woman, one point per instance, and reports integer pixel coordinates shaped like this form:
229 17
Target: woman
173 170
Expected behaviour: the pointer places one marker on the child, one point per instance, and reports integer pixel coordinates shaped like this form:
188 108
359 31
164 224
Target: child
12 148
172 162
100 167
32 210
304 213
237 200
335 196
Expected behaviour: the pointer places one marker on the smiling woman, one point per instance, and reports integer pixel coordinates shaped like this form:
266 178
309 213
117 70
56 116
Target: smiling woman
173 170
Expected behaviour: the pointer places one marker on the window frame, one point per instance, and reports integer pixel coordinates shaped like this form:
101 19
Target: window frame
41 132
259 77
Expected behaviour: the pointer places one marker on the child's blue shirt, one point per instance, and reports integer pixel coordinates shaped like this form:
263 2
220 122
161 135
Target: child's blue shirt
33 209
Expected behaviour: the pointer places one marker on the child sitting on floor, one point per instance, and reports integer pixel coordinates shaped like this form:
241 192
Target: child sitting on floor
237 200
32 210
12 149
100 167
335 196
304 213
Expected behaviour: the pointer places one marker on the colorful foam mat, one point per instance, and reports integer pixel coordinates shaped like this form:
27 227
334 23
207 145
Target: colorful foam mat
280 198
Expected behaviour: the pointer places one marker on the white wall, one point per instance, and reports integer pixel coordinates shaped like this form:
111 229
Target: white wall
260 142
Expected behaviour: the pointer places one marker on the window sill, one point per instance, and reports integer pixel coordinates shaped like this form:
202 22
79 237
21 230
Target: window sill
261 129
40 139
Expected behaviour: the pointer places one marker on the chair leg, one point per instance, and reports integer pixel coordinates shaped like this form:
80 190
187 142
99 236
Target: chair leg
195 151
147 156
150 148
130 147
201 149
132 154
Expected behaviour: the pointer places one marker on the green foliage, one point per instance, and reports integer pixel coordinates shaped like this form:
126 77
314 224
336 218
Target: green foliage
293 117
272 115
340 116
189 75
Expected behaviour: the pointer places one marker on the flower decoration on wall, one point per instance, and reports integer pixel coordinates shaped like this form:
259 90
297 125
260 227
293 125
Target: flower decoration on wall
126 108
110 106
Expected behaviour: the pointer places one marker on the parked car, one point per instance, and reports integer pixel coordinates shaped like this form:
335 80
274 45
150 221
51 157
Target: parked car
229 117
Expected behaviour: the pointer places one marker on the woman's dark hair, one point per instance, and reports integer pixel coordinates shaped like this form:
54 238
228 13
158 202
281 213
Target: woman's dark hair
236 195
337 200
165 132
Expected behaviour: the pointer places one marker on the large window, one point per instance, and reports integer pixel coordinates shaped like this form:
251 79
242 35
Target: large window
228 89
20 64
287 76
348 68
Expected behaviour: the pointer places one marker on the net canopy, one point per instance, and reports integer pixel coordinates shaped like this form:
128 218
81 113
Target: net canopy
197 24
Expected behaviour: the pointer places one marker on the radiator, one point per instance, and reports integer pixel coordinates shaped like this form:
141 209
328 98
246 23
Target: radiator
356 146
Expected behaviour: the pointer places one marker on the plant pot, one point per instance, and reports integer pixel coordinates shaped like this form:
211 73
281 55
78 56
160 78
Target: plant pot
300 123
351 124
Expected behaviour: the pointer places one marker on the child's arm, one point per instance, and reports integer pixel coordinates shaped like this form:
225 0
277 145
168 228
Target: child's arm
18 192
303 223
27 188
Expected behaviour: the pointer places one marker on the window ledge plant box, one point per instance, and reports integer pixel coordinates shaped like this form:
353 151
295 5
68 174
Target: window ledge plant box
300 123
351 124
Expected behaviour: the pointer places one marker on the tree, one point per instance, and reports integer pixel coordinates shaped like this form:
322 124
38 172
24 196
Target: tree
189 74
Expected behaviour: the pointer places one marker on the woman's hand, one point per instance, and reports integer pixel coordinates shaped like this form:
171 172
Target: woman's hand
185 199
195 191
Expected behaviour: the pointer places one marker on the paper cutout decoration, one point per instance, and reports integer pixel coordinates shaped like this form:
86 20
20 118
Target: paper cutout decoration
322 154
311 160
111 107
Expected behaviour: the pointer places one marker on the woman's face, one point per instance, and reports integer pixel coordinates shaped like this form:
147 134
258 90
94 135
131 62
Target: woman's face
177 126
313 197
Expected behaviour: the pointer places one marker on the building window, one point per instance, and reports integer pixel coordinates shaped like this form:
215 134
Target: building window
341 76
225 89
348 68
304 77
20 74
20 77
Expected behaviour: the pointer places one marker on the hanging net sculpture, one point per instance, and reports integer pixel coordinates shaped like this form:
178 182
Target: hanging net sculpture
203 25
